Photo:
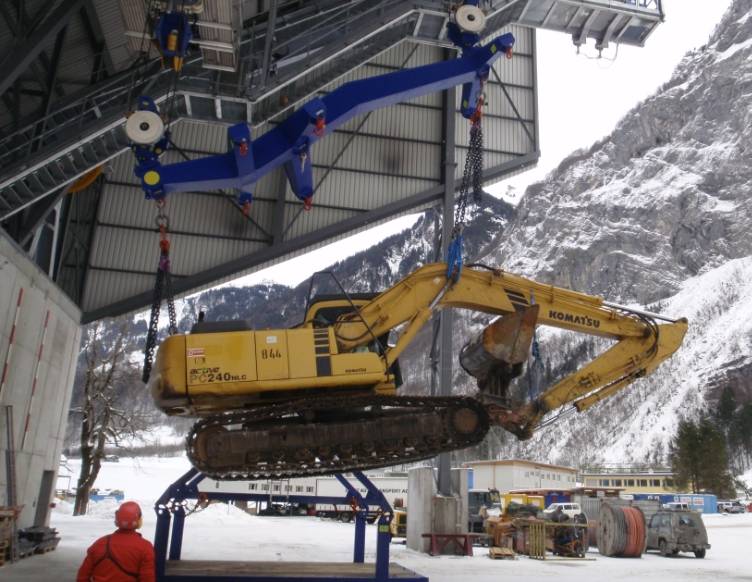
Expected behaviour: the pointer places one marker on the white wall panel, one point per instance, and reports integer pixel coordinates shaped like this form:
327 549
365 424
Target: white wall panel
48 405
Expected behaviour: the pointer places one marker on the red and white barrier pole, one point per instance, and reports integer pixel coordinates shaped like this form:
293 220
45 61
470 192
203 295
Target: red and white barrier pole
11 339
40 351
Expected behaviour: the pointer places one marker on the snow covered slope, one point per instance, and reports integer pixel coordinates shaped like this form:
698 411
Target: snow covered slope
665 197
635 427
658 213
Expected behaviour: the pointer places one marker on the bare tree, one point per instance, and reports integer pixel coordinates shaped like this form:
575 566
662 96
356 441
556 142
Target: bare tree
109 413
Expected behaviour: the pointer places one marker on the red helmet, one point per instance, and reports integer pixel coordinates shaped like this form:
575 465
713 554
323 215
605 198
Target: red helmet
128 515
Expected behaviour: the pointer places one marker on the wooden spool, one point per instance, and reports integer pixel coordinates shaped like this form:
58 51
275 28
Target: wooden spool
621 531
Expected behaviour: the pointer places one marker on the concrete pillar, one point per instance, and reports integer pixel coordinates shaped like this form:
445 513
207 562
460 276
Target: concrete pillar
429 512
420 492
459 479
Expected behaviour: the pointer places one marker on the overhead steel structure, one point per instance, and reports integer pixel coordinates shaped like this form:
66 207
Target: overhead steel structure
73 68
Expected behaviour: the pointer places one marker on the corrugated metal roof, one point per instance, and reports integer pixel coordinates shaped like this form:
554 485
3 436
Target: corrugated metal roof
391 158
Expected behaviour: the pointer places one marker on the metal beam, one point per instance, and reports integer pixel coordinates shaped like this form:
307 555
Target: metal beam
308 241
17 25
582 38
24 53
449 103
268 42
51 83
36 216
96 36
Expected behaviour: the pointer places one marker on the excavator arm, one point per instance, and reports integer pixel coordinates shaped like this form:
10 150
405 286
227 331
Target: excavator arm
643 340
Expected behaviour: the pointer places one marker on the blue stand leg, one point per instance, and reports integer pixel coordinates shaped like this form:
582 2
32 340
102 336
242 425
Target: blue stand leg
176 540
359 552
160 541
383 539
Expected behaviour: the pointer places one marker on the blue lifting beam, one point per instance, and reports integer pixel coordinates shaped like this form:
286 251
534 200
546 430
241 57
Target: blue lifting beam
171 513
289 143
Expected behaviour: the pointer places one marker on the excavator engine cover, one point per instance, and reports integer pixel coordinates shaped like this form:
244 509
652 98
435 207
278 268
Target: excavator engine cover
495 357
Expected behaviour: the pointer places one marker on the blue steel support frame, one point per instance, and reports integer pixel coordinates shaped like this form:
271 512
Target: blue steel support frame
289 143
361 512
170 510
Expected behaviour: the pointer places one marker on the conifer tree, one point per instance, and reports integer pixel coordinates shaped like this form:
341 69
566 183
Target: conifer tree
685 457
699 458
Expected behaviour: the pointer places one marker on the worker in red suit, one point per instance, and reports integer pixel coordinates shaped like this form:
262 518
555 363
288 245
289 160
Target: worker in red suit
122 556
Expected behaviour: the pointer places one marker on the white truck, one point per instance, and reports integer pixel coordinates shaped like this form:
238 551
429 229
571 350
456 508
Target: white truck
278 493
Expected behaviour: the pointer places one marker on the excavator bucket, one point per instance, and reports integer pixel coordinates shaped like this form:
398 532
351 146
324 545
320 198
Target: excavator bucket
495 357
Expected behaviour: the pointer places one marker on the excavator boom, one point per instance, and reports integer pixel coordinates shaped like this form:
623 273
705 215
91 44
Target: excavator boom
496 356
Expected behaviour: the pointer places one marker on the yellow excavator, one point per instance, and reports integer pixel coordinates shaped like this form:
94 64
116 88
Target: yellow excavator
322 397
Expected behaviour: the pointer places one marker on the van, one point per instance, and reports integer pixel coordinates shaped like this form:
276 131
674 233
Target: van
569 509
677 505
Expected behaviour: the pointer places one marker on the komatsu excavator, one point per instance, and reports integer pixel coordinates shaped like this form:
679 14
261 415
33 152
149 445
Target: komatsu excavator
322 397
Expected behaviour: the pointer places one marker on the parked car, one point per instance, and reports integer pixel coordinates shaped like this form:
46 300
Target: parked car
730 507
673 531
569 509
736 507
676 505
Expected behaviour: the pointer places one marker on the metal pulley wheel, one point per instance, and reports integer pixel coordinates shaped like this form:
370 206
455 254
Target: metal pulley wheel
144 127
470 18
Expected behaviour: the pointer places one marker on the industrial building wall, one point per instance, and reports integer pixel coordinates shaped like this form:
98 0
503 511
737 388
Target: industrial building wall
515 475
39 342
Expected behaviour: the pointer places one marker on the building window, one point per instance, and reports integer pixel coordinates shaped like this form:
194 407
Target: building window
265 487
309 489
275 487
643 482
656 483
617 482
298 489
629 482
252 486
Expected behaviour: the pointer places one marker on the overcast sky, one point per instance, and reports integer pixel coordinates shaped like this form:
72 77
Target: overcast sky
581 98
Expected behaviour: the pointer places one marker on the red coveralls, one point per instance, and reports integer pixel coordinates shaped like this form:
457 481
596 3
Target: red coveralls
123 556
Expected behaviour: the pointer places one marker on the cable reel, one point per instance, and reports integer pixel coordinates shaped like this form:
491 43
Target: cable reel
144 127
470 18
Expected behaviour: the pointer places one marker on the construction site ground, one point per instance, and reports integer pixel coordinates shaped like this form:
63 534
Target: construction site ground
222 532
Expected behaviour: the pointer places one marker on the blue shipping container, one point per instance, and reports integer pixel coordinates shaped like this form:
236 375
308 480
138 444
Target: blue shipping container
704 503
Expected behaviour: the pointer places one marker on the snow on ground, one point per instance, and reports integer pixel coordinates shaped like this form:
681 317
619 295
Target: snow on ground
223 532
141 479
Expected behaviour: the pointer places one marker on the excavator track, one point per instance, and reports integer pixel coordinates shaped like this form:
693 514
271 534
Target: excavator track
325 435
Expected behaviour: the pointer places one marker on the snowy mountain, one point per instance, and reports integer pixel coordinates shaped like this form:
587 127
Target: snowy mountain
657 214
663 198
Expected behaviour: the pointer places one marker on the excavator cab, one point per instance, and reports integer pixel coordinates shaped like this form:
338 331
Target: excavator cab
324 311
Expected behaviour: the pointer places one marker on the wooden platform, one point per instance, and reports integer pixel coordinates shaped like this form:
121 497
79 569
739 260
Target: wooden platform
281 571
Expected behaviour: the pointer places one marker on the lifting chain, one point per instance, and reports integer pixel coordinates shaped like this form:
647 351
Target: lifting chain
162 290
472 179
